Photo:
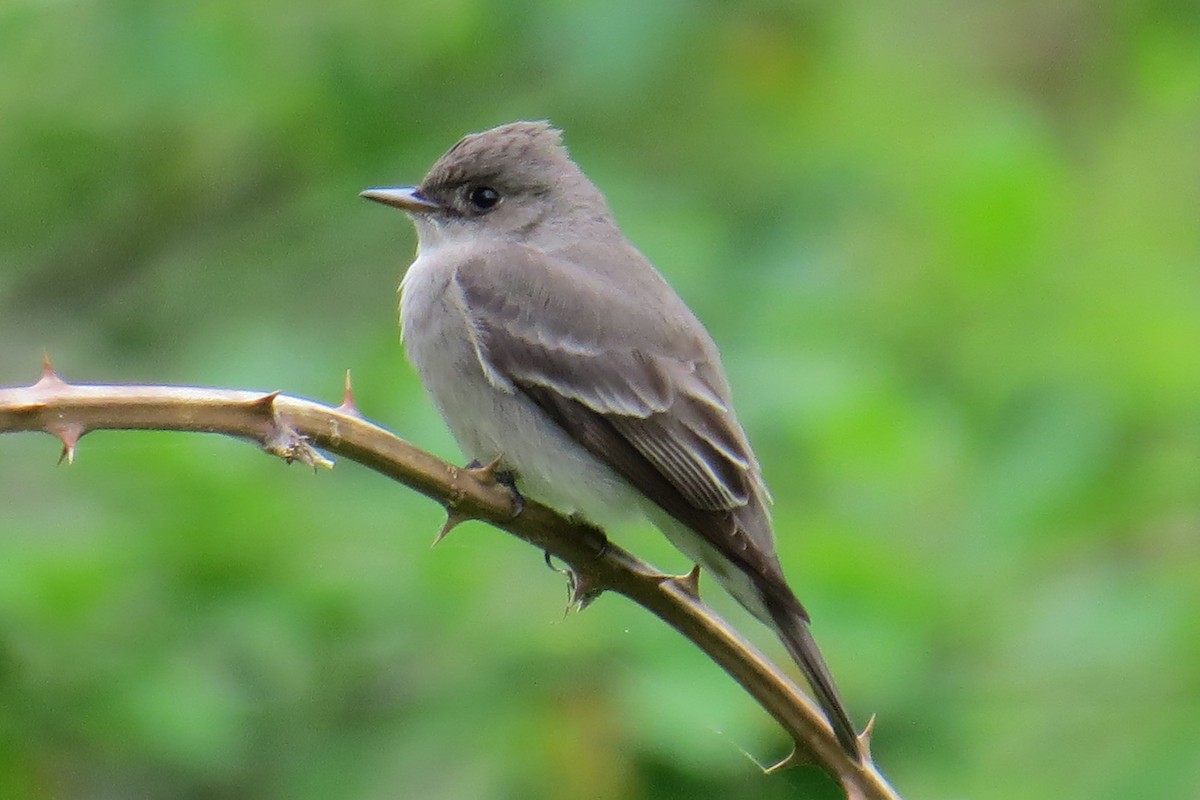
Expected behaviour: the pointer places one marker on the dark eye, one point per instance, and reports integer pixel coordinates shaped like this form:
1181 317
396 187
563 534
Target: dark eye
483 197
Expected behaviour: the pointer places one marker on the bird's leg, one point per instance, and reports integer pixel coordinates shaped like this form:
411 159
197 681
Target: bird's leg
582 587
593 534
509 480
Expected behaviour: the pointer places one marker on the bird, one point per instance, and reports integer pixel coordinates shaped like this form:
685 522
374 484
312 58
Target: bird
550 345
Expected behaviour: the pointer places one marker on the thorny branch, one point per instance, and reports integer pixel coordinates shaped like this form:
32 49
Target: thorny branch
292 428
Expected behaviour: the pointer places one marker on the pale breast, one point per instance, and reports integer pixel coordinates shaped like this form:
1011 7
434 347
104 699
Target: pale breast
489 420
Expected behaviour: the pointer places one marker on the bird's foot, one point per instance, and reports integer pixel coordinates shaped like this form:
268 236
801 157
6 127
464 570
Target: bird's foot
593 535
582 588
491 473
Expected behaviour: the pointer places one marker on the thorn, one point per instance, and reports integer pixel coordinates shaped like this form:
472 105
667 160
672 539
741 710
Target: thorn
348 407
453 520
266 402
49 376
688 584
864 739
492 474
69 434
793 759
486 473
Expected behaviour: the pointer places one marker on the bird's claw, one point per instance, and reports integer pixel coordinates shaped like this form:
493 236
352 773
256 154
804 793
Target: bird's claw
581 589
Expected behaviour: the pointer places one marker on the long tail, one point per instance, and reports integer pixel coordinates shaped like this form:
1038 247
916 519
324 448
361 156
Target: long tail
792 628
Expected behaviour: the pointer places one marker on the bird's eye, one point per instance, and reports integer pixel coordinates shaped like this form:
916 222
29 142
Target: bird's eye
483 197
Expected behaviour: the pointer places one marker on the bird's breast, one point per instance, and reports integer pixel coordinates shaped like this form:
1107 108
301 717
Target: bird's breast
489 420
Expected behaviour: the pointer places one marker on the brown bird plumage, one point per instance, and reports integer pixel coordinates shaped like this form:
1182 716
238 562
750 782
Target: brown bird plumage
544 337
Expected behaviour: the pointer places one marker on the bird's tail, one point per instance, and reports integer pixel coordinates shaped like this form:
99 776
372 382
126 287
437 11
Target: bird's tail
793 631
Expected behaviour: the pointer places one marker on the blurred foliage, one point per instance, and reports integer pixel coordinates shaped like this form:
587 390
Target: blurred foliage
951 252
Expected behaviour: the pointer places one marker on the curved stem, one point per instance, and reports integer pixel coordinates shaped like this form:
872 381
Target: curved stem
290 428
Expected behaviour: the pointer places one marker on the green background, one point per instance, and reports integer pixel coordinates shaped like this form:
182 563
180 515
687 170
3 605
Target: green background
951 252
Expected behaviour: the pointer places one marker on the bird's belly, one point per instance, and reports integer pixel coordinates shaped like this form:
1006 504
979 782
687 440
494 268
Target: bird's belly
489 421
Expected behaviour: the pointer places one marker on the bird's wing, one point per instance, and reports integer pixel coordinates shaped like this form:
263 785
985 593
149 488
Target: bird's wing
631 376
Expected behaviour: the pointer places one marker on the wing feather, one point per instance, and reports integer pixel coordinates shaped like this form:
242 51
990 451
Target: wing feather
650 403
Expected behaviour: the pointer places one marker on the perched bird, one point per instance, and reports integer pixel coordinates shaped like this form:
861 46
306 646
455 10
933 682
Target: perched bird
546 339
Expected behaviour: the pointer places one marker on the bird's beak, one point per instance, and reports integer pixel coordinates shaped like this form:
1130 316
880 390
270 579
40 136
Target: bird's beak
407 198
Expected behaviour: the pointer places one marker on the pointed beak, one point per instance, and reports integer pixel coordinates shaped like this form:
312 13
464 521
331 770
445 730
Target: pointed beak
407 198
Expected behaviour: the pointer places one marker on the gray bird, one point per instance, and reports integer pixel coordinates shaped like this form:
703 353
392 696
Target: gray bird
545 338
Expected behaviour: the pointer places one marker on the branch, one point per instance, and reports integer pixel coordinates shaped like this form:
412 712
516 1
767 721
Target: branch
289 428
